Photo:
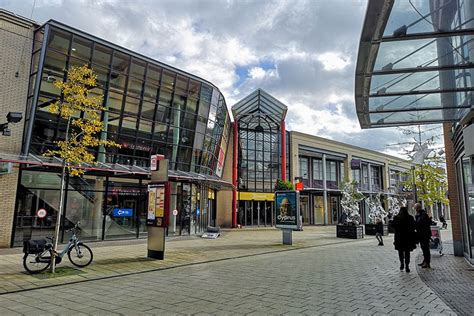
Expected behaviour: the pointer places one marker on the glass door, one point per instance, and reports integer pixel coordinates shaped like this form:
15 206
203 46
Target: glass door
334 209
318 209
304 208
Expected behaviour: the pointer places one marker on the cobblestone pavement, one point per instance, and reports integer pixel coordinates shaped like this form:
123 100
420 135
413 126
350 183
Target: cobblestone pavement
114 258
452 278
344 279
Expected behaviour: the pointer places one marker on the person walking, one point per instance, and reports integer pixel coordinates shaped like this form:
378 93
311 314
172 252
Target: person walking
405 237
423 233
379 231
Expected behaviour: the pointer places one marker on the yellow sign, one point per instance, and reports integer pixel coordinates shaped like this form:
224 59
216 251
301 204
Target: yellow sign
257 196
160 202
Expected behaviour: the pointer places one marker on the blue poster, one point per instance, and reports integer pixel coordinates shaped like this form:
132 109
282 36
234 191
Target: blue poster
123 212
286 203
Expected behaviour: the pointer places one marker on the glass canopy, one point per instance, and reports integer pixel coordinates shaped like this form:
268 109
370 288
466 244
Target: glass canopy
415 62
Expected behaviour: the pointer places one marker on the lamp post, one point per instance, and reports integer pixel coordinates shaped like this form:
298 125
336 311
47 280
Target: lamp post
415 197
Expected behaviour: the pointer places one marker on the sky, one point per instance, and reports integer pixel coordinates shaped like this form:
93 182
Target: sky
301 52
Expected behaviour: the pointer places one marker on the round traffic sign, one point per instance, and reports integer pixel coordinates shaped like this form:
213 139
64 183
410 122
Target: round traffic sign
41 213
175 212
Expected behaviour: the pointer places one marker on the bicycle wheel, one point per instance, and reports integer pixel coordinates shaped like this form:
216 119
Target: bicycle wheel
36 263
80 256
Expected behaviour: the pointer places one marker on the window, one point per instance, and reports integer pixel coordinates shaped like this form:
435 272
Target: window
331 175
303 167
376 180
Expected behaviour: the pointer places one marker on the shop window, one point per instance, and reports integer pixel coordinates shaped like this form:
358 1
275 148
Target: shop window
317 173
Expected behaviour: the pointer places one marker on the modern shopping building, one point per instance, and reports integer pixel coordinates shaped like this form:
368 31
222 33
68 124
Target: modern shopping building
415 67
221 172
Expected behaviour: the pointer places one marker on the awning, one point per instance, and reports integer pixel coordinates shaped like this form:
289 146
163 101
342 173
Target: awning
415 63
114 169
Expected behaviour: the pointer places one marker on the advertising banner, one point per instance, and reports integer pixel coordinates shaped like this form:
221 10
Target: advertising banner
287 209
150 220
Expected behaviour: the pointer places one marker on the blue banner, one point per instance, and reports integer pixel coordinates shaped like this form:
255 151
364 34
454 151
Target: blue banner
123 212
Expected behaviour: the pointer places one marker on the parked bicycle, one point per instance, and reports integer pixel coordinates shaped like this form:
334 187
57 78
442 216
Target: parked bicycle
38 253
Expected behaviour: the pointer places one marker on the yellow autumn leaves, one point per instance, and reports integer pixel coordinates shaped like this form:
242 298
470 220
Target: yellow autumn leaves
85 131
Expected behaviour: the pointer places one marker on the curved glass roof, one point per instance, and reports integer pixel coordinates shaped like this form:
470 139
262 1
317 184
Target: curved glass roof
415 62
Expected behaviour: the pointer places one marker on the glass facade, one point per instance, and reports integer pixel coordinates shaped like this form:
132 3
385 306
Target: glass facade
151 108
419 64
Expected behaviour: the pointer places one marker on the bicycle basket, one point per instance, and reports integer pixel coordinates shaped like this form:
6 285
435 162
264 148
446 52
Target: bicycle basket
34 246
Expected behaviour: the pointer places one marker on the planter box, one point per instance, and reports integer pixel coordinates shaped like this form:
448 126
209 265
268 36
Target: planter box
371 229
351 232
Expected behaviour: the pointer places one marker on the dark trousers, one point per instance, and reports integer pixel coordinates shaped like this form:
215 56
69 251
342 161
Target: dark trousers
404 256
425 247
379 237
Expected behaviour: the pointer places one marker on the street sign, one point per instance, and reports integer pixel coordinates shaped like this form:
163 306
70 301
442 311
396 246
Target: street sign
123 212
175 212
41 213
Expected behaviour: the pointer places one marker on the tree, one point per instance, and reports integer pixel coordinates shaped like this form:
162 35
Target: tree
284 185
351 196
428 178
83 114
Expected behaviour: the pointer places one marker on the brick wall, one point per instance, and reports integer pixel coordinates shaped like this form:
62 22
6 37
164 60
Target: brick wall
453 193
15 41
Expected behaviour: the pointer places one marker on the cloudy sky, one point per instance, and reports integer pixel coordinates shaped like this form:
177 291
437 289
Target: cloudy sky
301 52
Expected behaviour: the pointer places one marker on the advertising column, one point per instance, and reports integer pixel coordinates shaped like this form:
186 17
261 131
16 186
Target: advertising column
159 194
287 209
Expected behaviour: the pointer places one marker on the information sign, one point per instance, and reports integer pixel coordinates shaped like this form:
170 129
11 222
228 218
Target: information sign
287 209
123 212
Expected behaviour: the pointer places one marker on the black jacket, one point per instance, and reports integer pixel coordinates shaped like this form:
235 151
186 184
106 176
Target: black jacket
405 235
423 226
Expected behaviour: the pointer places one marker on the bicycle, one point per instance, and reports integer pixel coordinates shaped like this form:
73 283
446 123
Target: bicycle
38 253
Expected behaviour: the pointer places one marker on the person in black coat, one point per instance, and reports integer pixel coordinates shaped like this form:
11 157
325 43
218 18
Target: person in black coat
405 238
423 233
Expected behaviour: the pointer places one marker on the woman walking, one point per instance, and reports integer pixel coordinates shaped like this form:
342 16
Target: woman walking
405 242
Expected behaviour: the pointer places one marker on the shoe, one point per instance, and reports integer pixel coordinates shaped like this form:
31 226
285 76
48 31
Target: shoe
420 264
402 267
407 269
426 266
380 244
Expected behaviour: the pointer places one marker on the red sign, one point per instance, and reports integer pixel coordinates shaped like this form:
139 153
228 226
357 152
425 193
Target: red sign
41 213
299 186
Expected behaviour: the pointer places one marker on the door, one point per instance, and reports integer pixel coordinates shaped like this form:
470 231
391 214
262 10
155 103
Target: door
304 208
318 209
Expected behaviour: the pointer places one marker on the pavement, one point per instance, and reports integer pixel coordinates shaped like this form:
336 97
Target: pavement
242 272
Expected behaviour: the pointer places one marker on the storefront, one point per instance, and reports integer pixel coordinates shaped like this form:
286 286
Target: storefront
255 209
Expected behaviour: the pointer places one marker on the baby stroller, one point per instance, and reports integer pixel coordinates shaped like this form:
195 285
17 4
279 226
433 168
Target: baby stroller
435 240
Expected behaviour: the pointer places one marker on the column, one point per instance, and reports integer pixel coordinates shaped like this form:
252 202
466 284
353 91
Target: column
235 155
283 150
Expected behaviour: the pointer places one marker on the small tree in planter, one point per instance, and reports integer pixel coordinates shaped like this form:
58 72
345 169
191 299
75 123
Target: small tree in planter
284 185
350 219
376 213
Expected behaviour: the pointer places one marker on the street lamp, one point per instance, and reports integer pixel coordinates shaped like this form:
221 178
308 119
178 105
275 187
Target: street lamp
12 117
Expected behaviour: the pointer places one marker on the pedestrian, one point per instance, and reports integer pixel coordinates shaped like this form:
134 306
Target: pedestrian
379 231
405 237
423 233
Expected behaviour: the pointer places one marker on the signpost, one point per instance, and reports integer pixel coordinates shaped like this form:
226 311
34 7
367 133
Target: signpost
175 213
41 213
287 210
159 192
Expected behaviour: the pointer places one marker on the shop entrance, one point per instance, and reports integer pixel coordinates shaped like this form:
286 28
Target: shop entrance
255 213
305 213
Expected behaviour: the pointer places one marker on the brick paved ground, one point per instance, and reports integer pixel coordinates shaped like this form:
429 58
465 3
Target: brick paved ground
343 279
452 278
118 258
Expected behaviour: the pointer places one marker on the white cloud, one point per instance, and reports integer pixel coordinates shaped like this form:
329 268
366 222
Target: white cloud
311 45
334 61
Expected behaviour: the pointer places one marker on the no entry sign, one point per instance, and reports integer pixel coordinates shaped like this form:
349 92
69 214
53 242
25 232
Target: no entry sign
41 213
